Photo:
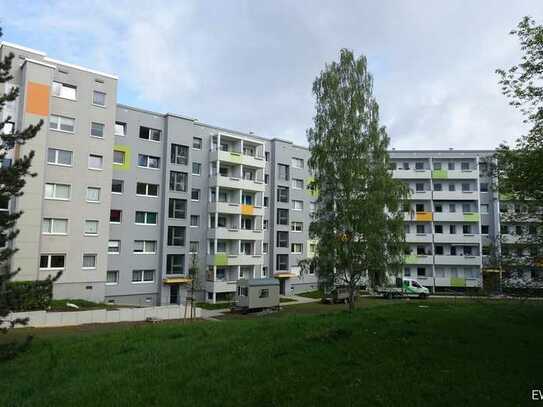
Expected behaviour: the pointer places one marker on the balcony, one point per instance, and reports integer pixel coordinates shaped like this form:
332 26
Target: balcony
418 216
237 183
219 286
455 195
455 174
458 260
225 259
456 238
234 157
418 237
456 217
418 259
411 174
420 195
235 234
236 208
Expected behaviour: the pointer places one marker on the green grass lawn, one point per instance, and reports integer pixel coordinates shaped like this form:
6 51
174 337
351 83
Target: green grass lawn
387 353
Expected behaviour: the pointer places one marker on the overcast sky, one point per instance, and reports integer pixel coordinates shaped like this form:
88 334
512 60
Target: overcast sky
250 65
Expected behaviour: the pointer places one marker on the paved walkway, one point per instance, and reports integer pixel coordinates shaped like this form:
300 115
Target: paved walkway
299 300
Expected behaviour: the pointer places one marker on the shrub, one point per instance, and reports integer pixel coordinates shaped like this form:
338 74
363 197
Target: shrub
28 295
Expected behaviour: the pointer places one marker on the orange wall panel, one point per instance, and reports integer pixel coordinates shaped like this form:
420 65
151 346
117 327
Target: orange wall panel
37 99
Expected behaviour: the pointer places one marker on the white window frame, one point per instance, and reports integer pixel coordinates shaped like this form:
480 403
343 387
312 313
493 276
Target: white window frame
95 168
296 160
99 194
192 169
94 92
94 221
295 181
147 161
297 244
147 190
60 119
57 153
120 124
294 202
124 157
103 130
146 215
62 86
143 281
117 242
116 223
51 222
122 186
93 255
201 143
116 279
293 225
49 256
54 189
144 247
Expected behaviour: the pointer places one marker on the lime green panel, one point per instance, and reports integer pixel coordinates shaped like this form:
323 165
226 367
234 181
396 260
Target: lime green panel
458 282
311 191
471 217
235 157
411 259
220 260
127 158
440 174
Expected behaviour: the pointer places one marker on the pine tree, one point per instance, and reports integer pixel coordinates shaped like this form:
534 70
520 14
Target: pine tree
12 180
358 223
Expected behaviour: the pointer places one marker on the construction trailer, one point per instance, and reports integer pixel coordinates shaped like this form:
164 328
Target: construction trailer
257 294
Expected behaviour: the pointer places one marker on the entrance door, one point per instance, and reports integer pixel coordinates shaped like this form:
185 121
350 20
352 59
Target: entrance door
282 284
174 294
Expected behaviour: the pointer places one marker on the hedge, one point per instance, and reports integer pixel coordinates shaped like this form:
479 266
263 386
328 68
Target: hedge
22 296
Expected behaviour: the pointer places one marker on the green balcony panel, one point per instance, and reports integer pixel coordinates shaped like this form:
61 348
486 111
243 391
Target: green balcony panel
220 260
458 282
235 157
471 217
440 174
411 259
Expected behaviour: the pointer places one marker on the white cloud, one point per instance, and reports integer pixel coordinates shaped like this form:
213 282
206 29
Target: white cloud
250 66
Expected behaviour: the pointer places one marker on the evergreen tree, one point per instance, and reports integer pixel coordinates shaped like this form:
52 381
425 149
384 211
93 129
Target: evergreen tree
519 169
358 222
13 171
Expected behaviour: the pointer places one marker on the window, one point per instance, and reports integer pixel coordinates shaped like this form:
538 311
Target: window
63 90
179 154
146 218
52 261
484 208
91 227
419 207
297 162
197 143
297 183
466 229
282 216
437 166
59 157
312 206
178 181
115 215
468 251
265 224
194 247
112 277
419 187
175 264
146 189
439 250
405 165
114 247
96 162
296 248
452 229
267 155
119 157
282 239
266 201
54 226
466 207
484 229
282 194
247 223
297 205
438 208
312 248
176 236
97 130
419 165
420 229
264 248
451 166
282 262
465 187
61 123
483 187
194 220
196 168
452 208
452 188
518 230
147 133
407 272
438 187
283 172
421 272
177 208
195 194
57 191
117 186
264 293
89 261
438 228
145 246
93 194
464 166
120 129
98 98
297 226
148 161
143 276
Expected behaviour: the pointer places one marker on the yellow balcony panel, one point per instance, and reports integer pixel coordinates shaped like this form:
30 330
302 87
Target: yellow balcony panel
247 209
423 216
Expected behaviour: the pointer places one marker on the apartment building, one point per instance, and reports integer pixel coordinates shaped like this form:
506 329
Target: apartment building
126 199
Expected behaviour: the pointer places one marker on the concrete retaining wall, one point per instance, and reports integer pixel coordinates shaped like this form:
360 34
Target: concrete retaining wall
42 319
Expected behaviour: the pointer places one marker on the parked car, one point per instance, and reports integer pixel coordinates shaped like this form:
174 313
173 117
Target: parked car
404 288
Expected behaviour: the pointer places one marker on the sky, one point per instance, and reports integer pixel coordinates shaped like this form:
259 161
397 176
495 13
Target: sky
250 65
